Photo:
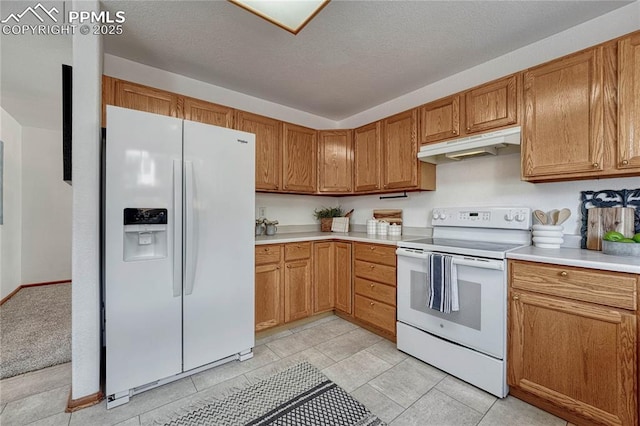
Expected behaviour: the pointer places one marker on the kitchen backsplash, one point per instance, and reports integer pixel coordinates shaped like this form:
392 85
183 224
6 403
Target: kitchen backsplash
485 181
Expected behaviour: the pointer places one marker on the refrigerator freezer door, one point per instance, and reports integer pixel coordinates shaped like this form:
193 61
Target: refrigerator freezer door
143 318
219 302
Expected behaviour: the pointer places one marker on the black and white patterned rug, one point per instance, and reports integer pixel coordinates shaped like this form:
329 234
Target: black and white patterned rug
300 396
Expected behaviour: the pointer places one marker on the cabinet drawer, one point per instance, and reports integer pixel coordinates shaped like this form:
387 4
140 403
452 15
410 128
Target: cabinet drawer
376 253
268 254
371 271
588 285
376 313
295 251
377 291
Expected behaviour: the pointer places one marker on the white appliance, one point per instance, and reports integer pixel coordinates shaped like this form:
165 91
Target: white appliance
178 249
469 343
501 141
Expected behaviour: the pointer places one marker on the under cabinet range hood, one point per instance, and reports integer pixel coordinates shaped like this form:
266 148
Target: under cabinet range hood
500 141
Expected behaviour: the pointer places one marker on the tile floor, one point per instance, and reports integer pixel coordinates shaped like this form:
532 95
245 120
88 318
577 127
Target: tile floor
398 388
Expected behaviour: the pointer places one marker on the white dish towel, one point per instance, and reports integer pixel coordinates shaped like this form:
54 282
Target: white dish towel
442 280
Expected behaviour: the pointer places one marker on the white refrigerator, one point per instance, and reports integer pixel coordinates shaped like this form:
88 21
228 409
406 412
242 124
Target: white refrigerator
179 201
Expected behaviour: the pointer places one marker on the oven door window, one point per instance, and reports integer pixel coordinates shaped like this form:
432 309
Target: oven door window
480 322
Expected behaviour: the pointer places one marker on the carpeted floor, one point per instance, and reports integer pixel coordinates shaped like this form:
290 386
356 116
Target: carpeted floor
35 329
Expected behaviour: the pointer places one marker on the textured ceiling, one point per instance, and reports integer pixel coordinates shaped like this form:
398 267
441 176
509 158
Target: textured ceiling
352 56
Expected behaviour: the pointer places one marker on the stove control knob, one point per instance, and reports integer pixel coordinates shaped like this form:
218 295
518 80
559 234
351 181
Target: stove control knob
509 217
436 215
520 217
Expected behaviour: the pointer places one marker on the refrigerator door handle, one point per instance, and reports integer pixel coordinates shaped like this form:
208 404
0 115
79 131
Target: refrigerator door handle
177 234
191 255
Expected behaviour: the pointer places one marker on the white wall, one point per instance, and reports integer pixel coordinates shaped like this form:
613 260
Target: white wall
85 291
290 209
10 238
486 181
606 27
144 74
46 208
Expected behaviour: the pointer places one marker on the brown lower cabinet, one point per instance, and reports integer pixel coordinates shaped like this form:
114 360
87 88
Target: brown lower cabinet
268 287
573 342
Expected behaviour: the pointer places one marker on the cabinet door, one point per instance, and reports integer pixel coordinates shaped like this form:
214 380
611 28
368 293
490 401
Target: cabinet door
576 355
440 120
335 161
366 142
297 290
563 119
267 133
143 98
492 105
343 277
323 277
299 159
629 102
207 112
399 151
268 302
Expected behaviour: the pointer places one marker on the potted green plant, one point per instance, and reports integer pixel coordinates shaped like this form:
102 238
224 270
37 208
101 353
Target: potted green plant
325 215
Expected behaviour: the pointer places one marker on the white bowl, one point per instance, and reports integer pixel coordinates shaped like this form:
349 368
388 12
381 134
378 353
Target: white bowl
548 228
547 240
553 234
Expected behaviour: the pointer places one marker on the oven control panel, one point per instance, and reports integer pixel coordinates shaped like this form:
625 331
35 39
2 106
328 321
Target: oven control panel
482 217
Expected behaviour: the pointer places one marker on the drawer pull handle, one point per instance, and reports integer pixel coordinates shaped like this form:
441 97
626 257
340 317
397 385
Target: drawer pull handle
516 297
564 273
371 303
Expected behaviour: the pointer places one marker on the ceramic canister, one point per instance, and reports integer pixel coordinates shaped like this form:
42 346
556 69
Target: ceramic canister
372 226
383 228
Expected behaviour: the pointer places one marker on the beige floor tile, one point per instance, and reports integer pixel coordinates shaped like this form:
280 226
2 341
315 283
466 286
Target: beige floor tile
289 345
468 394
35 407
134 421
311 355
262 355
387 351
60 419
355 371
314 323
219 391
438 409
348 344
406 382
18 387
146 401
272 337
377 403
511 411
2 406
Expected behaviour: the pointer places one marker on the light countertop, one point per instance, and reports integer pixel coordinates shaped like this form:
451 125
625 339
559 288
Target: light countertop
293 237
592 259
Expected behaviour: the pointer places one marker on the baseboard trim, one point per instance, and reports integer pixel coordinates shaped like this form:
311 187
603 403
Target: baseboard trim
84 402
21 286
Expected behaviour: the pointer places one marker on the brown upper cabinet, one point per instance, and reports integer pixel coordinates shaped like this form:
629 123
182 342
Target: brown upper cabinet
401 168
207 112
492 105
335 161
299 158
367 158
268 135
440 120
563 118
628 152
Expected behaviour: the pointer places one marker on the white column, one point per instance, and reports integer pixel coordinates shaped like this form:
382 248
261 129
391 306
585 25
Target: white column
87 87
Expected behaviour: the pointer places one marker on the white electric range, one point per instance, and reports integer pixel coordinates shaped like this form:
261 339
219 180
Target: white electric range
471 342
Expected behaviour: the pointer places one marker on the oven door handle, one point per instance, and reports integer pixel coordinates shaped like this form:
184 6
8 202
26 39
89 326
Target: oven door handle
461 261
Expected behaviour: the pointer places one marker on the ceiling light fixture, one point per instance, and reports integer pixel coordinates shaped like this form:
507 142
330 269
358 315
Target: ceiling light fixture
291 15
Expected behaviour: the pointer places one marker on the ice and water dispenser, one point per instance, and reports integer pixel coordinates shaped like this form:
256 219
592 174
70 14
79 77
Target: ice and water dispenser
145 234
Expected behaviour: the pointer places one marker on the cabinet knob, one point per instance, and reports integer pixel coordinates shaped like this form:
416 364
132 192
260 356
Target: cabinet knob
266 249
348 188
286 186
298 246
288 266
372 285
468 128
372 248
371 303
625 162
596 165
455 132
372 266
516 297
564 273
386 186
